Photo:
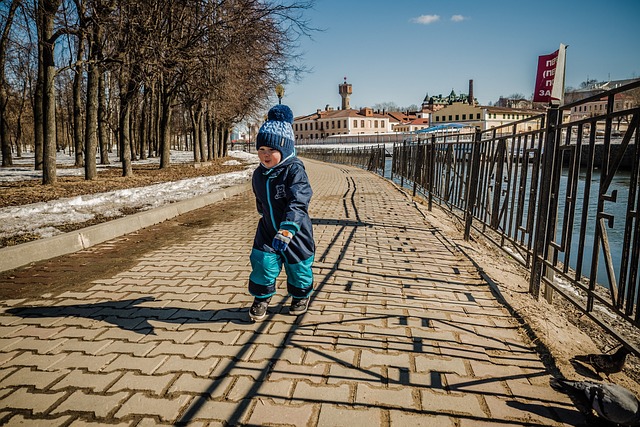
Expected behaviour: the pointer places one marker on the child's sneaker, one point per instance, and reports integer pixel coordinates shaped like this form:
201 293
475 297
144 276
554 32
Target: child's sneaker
298 306
258 310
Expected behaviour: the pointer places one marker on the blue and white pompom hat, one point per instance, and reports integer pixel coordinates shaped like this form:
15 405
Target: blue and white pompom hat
277 131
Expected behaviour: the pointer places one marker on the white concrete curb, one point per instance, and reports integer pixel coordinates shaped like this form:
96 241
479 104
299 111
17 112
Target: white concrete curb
17 256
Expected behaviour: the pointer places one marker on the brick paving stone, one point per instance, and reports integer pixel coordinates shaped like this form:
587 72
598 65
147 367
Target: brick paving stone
470 384
37 402
340 394
35 331
452 403
213 410
339 416
267 413
185 350
474 422
41 380
345 374
81 346
278 391
128 362
166 408
429 363
386 397
369 359
513 410
41 346
21 420
171 364
187 383
285 370
490 370
83 333
251 369
154 384
402 418
98 404
40 361
345 357
265 352
78 379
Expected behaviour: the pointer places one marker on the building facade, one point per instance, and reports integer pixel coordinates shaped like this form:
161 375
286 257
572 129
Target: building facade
329 122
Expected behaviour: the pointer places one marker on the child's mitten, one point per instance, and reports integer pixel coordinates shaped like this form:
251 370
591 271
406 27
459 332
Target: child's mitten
282 239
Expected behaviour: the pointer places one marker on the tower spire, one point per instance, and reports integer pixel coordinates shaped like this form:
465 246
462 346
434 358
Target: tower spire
345 91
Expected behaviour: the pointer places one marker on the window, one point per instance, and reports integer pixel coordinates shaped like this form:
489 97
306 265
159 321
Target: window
361 123
464 117
345 124
478 116
355 123
375 123
450 117
437 118
457 117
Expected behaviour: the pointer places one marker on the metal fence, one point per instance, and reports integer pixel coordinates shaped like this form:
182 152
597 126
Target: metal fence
563 199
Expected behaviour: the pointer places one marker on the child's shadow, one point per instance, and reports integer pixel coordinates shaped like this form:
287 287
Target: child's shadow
128 315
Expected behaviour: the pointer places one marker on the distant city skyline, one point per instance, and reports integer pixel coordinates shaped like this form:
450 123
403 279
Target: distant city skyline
398 52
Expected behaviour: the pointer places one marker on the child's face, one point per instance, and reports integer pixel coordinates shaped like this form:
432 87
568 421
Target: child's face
269 156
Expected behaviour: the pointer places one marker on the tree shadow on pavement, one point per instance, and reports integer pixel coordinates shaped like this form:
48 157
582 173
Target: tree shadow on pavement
130 316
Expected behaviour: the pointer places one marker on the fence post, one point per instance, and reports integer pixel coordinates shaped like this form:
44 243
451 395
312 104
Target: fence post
497 183
540 243
432 170
403 160
472 183
417 167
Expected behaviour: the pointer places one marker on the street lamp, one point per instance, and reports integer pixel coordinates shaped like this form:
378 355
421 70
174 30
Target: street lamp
280 93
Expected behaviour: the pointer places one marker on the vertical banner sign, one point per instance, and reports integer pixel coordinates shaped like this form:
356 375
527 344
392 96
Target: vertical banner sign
550 77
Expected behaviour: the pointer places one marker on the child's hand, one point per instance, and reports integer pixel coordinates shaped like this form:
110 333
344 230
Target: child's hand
282 239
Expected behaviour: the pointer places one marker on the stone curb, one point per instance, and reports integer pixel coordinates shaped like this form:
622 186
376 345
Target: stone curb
20 255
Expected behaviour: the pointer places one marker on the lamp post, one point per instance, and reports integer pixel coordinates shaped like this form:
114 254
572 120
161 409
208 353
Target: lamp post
280 93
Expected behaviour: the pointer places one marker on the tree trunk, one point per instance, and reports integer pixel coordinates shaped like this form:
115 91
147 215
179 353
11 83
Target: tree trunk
5 141
211 137
225 143
23 101
195 134
91 133
102 119
48 9
144 120
77 107
165 131
126 94
38 114
202 135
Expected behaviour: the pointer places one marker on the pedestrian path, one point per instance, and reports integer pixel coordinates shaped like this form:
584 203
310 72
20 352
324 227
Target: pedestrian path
401 331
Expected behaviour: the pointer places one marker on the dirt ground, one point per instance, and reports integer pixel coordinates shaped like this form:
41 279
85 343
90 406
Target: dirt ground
559 331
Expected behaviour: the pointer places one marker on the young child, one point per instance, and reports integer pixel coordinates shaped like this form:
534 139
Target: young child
284 234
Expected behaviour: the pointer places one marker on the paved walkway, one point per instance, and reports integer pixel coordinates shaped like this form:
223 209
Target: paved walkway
401 331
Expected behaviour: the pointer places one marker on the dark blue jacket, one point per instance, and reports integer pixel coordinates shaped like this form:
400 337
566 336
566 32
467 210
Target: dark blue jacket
282 198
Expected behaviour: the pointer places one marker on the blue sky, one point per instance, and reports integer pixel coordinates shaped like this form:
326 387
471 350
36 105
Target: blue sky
398 51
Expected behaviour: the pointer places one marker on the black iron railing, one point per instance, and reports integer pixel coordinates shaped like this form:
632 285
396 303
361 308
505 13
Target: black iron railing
563 198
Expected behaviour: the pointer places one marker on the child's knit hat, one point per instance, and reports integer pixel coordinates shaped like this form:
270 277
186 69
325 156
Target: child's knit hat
277 131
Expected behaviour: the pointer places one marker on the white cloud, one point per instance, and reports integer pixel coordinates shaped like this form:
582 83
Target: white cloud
458 18
426 19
